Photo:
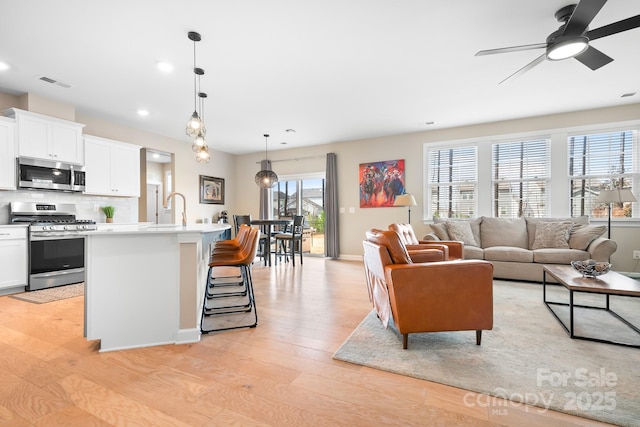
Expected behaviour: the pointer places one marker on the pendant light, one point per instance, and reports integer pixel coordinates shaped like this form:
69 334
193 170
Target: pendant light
202 152
266 178
195 123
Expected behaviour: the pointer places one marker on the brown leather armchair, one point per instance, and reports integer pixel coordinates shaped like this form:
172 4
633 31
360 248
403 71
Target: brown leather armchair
419 254
454 248
426 297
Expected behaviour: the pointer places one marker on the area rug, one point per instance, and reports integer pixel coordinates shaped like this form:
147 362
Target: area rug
526 358
51 294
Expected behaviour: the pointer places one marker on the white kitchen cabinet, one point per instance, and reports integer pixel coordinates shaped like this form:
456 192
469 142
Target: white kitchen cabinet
13 253
48 138
112 167
7 155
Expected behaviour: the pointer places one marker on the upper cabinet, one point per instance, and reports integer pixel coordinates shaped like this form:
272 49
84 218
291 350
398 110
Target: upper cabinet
112 168
7 155
49 138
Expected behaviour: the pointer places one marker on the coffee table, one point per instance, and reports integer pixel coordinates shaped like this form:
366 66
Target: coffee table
608 284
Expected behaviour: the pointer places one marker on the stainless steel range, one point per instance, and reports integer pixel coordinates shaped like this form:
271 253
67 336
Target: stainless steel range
56 245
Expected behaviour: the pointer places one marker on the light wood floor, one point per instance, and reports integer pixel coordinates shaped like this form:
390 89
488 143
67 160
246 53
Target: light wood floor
278 374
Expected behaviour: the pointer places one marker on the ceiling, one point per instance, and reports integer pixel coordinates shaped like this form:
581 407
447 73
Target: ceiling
332 70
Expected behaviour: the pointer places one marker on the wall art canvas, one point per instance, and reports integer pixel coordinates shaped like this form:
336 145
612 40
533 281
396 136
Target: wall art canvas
380 183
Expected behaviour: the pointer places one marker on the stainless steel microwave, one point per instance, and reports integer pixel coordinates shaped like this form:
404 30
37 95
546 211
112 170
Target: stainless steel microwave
50 175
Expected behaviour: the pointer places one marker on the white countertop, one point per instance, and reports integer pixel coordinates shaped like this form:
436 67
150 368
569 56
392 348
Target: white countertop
157 229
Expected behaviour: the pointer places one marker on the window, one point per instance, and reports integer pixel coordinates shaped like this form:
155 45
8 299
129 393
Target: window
602 161
452 181
520 177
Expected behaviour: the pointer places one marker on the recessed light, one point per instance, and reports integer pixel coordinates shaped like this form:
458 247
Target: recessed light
155 155
143 113
164 66
4 66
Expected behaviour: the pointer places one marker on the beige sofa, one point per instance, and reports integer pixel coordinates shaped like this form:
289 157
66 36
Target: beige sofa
518 247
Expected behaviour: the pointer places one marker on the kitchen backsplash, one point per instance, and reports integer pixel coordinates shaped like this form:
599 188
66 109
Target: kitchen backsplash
88 207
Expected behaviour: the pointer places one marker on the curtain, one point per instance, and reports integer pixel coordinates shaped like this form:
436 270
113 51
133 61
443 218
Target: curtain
266 202
331 241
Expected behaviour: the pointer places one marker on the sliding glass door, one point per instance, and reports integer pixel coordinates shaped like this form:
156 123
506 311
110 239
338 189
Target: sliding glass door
303 196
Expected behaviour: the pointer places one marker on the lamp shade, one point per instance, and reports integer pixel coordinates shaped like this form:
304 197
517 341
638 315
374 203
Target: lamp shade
617 195
266 178
405 200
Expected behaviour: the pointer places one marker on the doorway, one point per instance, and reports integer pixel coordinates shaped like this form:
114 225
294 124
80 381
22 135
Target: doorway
303 195
156 182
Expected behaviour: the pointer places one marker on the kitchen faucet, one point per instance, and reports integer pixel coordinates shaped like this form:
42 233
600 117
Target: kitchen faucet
184 205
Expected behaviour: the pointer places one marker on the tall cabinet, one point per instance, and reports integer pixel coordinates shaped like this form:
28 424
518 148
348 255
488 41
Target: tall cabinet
112 167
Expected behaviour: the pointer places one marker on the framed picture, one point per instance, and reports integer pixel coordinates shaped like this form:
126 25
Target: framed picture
380 183
211 190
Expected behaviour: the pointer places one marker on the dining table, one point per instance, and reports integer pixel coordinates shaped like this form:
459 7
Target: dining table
267 227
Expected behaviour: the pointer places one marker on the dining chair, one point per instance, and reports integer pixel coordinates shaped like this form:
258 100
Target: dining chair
291 242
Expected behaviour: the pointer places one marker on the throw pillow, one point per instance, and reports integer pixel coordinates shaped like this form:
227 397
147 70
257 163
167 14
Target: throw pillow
440 230
552 235
533 221
582 236
475 226
461 230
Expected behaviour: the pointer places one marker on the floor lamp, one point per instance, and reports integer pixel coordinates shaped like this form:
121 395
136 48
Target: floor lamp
617 195
405 200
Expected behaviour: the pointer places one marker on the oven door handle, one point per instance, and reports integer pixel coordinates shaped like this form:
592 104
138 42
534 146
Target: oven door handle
55 236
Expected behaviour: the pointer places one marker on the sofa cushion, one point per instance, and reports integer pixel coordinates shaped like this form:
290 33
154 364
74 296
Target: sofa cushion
475 227
473 252
503 232
558 256
440 230
461 230
552 235
532 222
507 253
583 235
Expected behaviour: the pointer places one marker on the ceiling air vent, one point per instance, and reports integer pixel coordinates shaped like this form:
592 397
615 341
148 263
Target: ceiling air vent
54 82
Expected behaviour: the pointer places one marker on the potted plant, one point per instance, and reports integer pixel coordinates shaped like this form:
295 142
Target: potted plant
108 212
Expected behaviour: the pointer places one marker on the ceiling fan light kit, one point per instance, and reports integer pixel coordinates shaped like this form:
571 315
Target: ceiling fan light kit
567 48
572 39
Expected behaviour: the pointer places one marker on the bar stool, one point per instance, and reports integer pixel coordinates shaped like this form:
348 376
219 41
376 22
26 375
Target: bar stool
225 247
221 304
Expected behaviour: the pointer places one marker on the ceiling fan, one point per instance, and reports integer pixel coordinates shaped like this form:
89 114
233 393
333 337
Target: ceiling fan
572 39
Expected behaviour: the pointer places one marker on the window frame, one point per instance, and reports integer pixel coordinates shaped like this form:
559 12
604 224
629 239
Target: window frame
559 191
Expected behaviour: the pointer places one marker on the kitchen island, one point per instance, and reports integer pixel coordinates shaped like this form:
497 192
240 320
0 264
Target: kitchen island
145 283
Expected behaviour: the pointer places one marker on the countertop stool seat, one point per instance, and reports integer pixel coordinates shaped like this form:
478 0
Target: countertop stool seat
229 301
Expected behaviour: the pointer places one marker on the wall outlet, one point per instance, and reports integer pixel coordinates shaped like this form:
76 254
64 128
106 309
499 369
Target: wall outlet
636 254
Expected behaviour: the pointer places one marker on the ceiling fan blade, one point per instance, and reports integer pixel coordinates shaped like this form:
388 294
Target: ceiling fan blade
593 58
526 68
511 49
582 16
616 27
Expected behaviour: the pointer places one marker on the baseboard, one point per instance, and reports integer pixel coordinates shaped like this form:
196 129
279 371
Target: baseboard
188 336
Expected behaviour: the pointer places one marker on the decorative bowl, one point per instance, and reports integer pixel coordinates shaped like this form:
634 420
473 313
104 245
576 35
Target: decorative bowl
591 268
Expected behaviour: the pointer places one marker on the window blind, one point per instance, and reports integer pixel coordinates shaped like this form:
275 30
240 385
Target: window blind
452 178
520 173
602 161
